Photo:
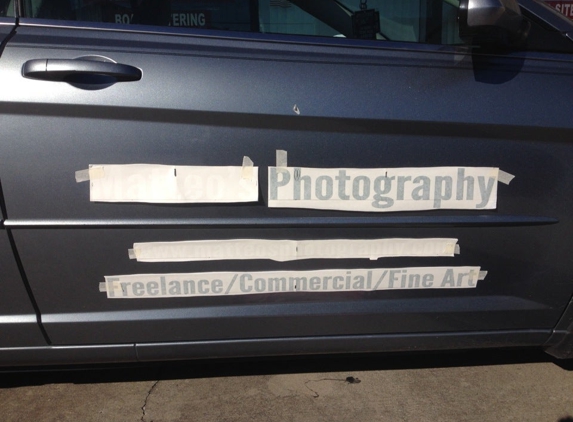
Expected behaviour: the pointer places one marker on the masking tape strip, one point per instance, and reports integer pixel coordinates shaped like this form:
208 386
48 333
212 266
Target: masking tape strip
457 249
505 177
82 175
93 172
247 172
482 275
290 250
102 287
141 286
281 158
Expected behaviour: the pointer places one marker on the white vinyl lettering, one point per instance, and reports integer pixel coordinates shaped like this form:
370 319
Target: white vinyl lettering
172 184
384 190
243 283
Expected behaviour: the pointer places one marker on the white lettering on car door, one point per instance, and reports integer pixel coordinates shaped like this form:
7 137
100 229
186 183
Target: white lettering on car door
384 190
171 184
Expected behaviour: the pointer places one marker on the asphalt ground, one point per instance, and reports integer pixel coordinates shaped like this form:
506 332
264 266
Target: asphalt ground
507 385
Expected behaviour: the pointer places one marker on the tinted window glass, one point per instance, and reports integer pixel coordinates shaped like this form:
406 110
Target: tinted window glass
432 21
6 8
229 15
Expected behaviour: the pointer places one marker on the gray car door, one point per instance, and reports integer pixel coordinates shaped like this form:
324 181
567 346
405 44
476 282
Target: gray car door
211 97
18 317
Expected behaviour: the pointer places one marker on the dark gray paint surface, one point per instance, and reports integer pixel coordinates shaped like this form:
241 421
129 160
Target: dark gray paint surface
6 26
210 101
18 325
69 265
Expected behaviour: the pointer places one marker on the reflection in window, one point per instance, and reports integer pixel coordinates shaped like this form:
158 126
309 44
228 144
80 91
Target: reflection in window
6 8
283 17
424 21
235 15
427 21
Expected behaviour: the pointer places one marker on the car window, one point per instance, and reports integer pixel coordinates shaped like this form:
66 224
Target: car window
6 8
413 20
423 21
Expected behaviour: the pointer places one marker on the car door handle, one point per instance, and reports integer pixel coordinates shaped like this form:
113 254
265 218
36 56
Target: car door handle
66 69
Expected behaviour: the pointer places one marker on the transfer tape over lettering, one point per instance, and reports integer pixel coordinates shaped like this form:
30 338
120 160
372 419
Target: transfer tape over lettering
156 183
245 283
385 190
289 250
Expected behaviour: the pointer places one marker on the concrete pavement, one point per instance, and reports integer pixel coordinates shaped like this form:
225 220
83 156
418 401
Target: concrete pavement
477 386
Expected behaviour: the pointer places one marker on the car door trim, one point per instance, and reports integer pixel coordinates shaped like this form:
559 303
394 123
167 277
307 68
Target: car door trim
481 220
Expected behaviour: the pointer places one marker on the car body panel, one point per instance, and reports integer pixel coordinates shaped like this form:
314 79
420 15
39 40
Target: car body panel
18 319
149 352
209 98
519 301
18 322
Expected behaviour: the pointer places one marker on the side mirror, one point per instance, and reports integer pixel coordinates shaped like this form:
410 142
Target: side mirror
493 23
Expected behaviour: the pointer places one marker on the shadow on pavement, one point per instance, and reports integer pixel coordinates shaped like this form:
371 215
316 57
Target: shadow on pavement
15 377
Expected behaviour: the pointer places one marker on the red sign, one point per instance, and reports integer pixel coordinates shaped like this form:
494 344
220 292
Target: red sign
563 6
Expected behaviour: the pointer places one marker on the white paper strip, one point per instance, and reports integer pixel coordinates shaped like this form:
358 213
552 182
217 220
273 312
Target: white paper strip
244 283
289 250
172 184
383 190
